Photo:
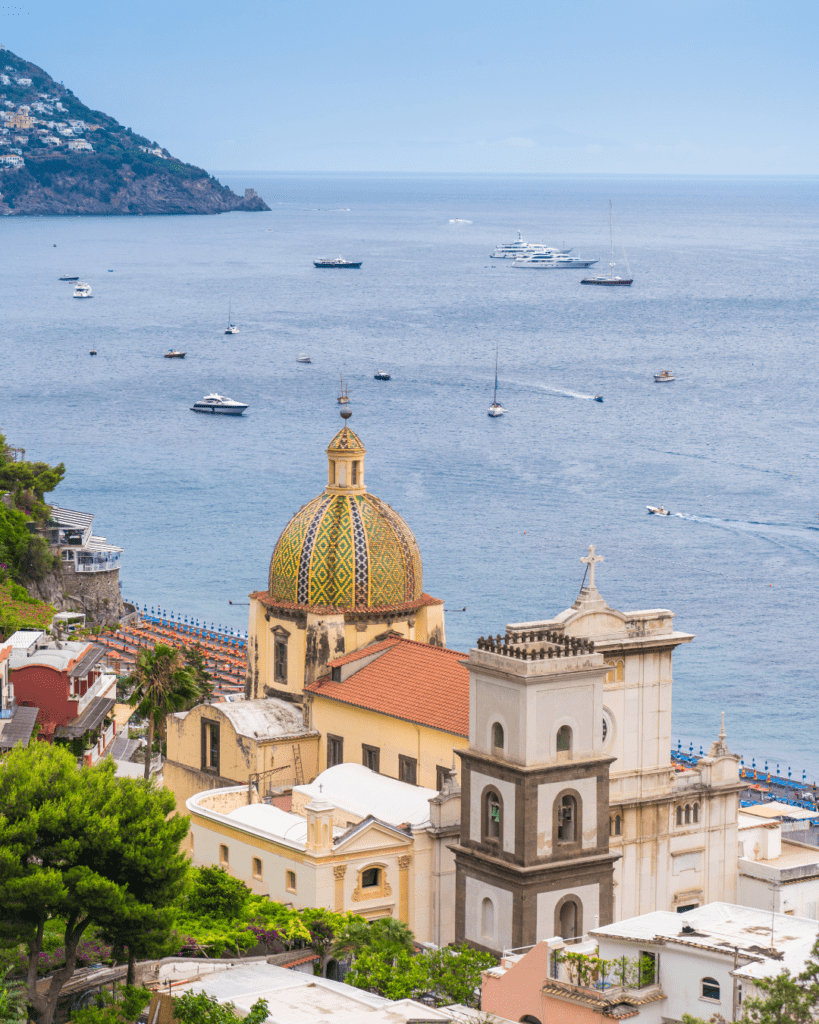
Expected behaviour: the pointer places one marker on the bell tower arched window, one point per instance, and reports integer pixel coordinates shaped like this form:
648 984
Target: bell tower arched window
564 739
497 736
567 819
493 815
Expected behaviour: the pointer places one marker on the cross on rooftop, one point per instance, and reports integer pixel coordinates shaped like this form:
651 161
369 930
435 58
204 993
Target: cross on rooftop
591 560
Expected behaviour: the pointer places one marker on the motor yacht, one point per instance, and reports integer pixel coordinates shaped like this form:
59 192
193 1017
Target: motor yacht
664 377
82 290
511 250
381 375
219 404
304 359
338 261
552 260
173 353
657 510
68 277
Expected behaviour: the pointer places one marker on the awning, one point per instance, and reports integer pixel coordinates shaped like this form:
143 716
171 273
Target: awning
88 661
17 729
89 719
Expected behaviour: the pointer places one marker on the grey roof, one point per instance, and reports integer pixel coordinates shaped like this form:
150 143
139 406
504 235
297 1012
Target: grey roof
89 719
65 517
88 661
17 729
263 719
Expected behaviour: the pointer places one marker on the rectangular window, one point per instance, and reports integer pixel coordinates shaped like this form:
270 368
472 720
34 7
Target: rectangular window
408 770
371 757
210 745
280 667
354 479
257 868
441 775
335 750
648 968
223 856
290 881
371 878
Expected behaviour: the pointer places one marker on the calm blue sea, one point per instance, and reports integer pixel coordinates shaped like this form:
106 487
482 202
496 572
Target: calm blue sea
724 295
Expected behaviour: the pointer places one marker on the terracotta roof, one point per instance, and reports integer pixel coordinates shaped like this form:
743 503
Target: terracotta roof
382 611
365 652
412 681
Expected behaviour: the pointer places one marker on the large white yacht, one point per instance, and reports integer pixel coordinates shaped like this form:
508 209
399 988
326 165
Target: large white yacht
511 250
82 290
552 261
219 404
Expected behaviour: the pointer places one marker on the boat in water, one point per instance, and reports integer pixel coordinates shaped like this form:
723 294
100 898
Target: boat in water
82 290
612 279
598 398
664 377
231 326
304 359
657 510
511 250
552 260
173 353
343 398
338 261
496 409
218 404
68 277
381 375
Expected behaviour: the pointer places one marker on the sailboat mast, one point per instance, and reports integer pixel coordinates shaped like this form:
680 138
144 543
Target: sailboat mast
495 401
611 238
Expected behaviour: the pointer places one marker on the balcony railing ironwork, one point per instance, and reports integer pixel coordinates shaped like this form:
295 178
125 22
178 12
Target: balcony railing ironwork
98 563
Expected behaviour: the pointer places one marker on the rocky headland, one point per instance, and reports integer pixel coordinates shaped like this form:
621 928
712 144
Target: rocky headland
59 157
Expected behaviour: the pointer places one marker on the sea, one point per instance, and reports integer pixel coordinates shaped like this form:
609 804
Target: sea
724 295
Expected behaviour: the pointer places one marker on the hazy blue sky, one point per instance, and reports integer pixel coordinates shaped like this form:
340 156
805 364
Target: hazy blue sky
624 86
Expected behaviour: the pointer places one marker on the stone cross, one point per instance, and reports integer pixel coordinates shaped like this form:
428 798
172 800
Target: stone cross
591 560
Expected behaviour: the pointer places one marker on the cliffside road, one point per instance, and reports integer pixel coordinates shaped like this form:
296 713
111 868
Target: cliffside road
58 157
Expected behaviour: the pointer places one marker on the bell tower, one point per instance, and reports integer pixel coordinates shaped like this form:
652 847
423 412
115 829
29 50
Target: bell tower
533 857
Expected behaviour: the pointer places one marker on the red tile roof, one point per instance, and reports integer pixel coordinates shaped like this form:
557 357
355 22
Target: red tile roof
365 652
412 681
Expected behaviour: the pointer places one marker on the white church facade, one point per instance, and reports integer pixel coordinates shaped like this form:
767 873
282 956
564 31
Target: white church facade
570 750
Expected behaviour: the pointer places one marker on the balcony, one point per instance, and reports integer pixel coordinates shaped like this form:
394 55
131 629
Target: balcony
97 561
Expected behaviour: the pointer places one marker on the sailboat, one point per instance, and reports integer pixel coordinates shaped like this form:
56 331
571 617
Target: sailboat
343 398
611 279
496 409
231 326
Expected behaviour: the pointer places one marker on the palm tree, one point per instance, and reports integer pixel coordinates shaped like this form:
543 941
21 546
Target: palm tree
162 684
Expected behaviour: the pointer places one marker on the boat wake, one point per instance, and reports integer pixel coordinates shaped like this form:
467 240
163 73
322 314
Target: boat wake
565 393
774 533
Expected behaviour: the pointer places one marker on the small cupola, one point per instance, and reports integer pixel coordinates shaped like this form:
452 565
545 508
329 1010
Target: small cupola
345 460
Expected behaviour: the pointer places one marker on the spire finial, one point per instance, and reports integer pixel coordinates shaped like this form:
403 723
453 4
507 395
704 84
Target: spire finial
345 412
722 728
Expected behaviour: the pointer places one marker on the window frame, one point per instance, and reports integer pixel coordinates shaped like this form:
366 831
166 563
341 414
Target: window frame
498 730
224 855
379 878
567 732
336 744
209 727
370 755
491 835
713 985
258 875
411 763
441 776
288 875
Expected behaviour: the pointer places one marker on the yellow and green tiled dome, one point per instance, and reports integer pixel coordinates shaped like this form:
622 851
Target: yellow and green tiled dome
346 551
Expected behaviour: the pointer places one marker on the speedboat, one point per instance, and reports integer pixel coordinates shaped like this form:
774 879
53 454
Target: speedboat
381 375
219 404
664 377
552 260
67 277
304 359
173 353
657 511
511 250
338 261
82 290
598 398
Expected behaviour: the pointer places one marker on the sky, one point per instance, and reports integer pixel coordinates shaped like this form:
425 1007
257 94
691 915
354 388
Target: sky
548 86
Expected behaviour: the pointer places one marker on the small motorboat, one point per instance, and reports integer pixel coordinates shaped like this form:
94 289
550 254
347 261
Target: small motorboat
664 377
598 398
82 290
382 376
219 404
68 277
172 353
93 352
304 359
657 510
338 261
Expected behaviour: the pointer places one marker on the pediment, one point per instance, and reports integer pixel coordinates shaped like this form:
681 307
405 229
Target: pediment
595 622
373 835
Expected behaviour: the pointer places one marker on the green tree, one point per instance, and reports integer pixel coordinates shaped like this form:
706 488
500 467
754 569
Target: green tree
202 1009
78 846
194 658
106 1010
13 1003
215 893
163 684
27 481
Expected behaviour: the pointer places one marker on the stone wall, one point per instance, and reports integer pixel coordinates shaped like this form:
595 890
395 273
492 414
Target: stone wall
98 592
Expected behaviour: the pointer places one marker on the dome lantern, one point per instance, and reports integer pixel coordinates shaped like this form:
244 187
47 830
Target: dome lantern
345 460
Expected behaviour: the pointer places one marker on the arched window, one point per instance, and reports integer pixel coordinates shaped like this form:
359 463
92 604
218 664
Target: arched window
487 918
497 735
492 824
371 878
567 819
679 814
568 920
696 813
564 739
688 814
710 988
617 827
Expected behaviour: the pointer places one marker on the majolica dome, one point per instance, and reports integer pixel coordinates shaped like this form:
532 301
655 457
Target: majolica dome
346 548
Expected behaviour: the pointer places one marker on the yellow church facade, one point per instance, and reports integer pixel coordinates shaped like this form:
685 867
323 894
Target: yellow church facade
345 572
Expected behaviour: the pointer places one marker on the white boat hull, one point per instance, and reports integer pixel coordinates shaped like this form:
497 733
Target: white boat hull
652 511
496 410
553 264
217 410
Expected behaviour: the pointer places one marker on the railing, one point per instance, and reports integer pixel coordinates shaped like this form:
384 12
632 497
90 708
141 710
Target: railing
98 563
107 736
8 710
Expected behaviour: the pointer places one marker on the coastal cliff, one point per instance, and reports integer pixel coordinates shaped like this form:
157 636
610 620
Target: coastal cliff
58 157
